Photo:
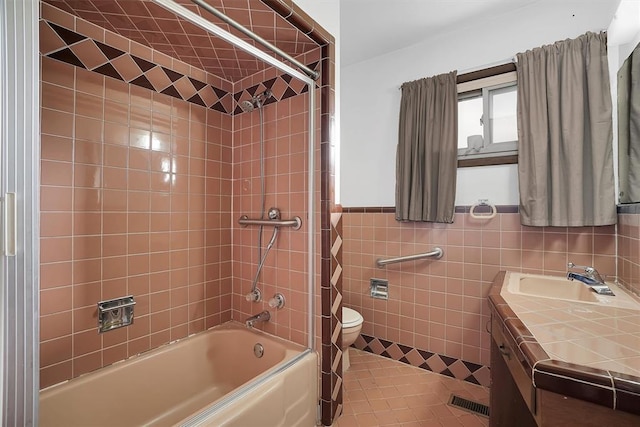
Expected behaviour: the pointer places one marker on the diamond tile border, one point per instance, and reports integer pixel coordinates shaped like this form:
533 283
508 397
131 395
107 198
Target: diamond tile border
434 362
331 285
85 52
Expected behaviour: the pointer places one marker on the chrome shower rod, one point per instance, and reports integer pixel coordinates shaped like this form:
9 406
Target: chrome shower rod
206 6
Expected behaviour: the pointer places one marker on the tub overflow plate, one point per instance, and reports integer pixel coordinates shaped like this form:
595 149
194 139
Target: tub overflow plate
258 350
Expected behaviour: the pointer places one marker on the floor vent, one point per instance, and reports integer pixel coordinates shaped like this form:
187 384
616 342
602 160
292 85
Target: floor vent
469 405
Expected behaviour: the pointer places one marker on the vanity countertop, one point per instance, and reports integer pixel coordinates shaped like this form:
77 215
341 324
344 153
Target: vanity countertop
589 351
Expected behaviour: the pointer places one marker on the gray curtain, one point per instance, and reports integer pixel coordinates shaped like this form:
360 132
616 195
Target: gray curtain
565 163
426 158
629 128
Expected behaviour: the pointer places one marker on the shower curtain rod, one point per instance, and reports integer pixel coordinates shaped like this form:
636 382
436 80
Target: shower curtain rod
308 71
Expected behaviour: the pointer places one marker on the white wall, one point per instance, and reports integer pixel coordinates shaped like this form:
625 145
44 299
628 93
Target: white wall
370 96
327 14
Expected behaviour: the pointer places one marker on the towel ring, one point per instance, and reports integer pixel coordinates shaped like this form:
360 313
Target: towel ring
490 215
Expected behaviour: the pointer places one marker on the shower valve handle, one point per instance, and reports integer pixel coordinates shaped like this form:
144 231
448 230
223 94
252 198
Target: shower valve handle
254 296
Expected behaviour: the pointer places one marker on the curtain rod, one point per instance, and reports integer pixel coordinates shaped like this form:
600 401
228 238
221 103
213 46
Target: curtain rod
477 72
308 71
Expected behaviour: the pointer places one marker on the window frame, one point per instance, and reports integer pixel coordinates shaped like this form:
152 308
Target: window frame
481 82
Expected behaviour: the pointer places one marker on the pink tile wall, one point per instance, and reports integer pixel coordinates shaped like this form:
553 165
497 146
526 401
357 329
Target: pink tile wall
285 150
629 251
135 199
286 125
441 305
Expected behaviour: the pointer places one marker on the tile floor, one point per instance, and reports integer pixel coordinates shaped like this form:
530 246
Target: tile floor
383 392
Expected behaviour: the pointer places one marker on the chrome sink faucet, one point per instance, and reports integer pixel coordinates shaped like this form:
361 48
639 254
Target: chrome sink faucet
260 317
591 277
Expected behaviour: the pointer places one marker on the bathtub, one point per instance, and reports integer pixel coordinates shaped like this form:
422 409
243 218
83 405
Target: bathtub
205 379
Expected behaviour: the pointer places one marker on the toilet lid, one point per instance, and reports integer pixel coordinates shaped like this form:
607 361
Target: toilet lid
351 317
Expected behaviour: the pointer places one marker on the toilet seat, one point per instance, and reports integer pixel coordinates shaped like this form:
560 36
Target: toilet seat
351 318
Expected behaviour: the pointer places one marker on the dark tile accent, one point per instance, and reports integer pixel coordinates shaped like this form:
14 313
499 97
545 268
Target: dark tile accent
143 63
68 36
626 382
533 353
108 70
173 75
288 93
627 402
196 83
562 385
195 99
369 209
171 91
112 52
327 416
66 55
252 90
287 78
518 330
430 360
237 96
269 83
578 372
142 81
630 208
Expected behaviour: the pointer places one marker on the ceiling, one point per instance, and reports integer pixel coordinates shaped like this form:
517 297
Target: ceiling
370 28
151 25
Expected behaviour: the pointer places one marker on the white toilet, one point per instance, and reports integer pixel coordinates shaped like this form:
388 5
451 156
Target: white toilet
351 326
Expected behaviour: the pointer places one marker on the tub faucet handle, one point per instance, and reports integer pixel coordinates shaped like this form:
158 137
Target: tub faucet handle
277 301
254 296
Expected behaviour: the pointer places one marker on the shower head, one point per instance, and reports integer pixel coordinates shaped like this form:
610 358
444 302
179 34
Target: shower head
256 101
247 106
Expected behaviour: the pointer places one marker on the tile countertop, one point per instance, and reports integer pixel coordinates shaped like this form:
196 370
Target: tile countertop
582 350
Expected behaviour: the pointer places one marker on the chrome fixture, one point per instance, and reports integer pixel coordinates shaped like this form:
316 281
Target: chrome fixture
254 296
258 350
435 253
255 101
115 313
311 73
264 316
591 278
295 222
379 288
277 301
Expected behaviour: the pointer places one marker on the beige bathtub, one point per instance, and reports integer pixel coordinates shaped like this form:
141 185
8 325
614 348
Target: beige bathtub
200 380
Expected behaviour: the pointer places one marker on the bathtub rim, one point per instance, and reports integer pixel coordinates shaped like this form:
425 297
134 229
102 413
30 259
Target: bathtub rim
229 325
201 417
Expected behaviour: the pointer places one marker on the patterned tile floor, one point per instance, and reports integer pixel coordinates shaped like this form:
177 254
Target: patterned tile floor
382 392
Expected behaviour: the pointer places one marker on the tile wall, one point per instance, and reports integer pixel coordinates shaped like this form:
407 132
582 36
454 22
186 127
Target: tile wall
629 250
440 306
285 165
138 196
126 176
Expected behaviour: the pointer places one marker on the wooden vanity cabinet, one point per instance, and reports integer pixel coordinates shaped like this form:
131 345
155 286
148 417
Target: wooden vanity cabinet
514 402
507 405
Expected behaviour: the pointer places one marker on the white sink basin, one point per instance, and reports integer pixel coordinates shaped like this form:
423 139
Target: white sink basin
554 287
561 288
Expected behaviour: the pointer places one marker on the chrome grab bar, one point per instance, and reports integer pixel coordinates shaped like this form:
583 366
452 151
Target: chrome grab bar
435 253
296 222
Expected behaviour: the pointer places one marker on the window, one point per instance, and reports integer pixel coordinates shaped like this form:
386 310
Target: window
487 123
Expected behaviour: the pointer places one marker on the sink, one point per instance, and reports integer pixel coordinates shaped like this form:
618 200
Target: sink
561 288
554 287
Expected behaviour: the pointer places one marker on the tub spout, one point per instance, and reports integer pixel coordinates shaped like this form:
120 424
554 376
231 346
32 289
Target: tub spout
260 317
